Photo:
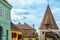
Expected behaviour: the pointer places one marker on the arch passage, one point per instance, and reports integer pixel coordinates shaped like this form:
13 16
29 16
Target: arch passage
0 33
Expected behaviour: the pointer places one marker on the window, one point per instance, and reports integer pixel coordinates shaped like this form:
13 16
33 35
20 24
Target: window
0 11
7 15
19 36
14 35
30 32
22 31
42 32
46 26
30 39
22 39
45 39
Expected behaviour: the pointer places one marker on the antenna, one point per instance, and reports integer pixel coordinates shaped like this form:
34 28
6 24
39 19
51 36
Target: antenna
48 1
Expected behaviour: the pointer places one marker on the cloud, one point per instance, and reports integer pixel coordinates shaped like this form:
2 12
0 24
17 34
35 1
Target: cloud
19 10
27 11
55 10
25 3
16 14
56 14
32 11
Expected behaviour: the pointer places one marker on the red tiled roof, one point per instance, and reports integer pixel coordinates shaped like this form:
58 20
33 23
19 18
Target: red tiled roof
26 29
24 26
48 19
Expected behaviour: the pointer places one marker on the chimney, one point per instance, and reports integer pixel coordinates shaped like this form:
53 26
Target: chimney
19 23
33 25
24 22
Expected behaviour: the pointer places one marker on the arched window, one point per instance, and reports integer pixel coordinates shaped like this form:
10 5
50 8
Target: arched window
0 33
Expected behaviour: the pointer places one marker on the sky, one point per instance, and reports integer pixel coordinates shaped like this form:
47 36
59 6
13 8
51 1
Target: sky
32 11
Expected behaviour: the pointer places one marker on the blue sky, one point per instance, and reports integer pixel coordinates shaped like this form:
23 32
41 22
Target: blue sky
32 11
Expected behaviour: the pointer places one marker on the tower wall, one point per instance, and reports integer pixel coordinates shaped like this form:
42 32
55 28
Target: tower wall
42 35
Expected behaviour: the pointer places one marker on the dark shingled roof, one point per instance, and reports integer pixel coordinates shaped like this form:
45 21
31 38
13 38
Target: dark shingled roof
7 3
13 26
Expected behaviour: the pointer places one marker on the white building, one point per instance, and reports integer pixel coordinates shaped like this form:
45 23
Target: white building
48 28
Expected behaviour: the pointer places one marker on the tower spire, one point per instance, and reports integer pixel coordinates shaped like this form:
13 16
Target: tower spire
48 20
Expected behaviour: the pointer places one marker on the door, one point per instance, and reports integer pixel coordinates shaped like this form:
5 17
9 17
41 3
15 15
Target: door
6 34
0 33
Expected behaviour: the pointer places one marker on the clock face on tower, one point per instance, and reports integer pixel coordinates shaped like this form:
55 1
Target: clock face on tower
0 11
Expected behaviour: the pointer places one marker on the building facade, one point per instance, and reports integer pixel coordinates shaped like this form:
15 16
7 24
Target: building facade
15 33
28 32
5 8
48 29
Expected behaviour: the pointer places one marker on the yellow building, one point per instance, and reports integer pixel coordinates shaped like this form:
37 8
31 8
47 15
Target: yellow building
15 33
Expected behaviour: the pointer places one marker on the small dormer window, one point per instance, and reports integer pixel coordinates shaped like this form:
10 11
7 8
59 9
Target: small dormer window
46 26
29 32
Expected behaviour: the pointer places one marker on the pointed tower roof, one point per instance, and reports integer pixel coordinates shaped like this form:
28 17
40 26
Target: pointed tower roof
48 19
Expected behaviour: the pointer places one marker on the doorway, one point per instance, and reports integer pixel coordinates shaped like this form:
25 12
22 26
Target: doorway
0 33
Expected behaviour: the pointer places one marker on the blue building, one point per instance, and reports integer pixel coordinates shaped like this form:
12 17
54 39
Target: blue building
5 9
